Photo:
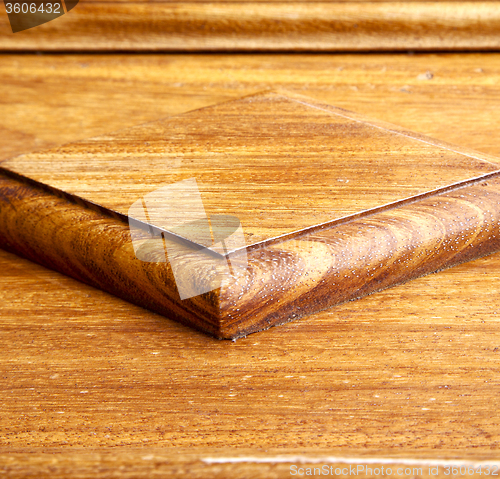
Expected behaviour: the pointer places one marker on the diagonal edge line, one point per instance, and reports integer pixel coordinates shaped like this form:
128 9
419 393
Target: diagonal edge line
385 126
330 109
75 199
366 213
78 200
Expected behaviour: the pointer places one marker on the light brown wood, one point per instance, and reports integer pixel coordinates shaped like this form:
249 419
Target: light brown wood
433 338
332 207
281 163
385 375
105 93
136 463
273 283
264 26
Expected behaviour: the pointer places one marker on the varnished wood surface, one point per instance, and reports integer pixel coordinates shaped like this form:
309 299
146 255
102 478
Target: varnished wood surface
48 100
276 283
264 26
274 161
386 375
137 463
427 349
281 163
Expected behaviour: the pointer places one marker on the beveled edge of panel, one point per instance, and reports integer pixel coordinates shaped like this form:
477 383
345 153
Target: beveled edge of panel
305 101
281 282
318 270
315 269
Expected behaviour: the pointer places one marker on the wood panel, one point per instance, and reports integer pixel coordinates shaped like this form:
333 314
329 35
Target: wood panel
267 26
136 463
388 375
425 350
332 207
48 100
275 283
281 163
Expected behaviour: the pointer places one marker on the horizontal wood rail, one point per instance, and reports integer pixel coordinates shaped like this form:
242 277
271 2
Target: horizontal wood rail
263 26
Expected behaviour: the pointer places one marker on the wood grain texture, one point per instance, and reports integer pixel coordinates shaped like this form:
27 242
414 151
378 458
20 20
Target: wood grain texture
266 26
279 162
412 371
137 463
110 92
382 226
90 382
282 281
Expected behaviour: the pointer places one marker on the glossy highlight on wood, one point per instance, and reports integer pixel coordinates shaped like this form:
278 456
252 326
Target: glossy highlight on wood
286 277
93 386
229 26
279 162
